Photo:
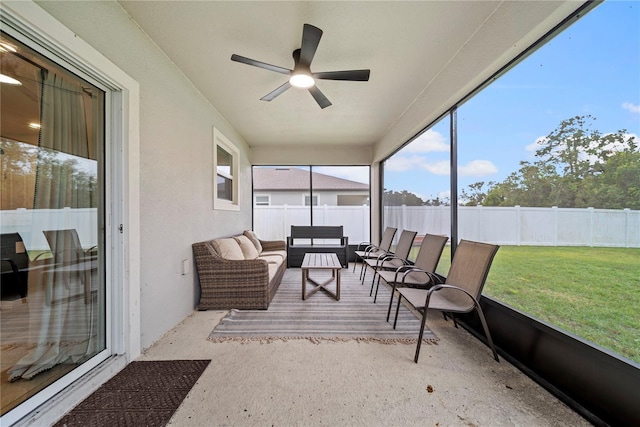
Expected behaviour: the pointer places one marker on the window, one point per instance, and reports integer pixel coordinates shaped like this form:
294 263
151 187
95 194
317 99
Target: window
416 183
307 200
262 200
311 195
225 161
552 157
547 166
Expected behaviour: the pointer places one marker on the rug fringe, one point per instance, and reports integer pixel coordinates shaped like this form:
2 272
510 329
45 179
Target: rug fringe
318 340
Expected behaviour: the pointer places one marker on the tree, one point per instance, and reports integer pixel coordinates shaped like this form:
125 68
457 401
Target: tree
576 166
476 194
395 198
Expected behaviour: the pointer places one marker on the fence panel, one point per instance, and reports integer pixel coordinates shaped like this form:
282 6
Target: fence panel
275 221
502 225
31 223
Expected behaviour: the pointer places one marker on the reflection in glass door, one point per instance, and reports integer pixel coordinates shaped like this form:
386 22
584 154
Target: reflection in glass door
51 211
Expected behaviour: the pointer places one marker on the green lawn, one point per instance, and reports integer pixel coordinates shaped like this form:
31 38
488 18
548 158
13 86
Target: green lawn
591 292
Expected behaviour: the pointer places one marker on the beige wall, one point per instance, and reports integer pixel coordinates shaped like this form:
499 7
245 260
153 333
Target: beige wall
176 128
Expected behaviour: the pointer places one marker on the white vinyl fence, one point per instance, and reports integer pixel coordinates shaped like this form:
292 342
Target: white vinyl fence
30 223
502 225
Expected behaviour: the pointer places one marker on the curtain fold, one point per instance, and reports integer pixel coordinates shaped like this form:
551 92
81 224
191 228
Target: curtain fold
67 312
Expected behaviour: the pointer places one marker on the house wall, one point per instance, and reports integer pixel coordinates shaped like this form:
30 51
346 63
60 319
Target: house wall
330 198
176 132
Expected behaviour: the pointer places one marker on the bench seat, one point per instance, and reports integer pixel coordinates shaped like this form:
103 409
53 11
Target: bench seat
316 239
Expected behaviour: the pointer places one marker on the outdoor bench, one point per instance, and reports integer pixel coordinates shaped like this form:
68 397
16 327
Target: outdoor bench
316 239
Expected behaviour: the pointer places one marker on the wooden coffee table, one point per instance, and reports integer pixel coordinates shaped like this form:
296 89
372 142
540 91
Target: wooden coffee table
321 261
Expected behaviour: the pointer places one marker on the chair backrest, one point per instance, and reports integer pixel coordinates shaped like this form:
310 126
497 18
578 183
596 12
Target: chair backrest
469 269
387 238
430 251
317 231
404 244
65 245
13 249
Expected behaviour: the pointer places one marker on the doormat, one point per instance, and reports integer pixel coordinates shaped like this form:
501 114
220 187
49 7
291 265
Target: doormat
145 393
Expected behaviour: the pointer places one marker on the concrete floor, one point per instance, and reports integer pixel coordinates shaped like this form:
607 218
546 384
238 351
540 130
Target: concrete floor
299 383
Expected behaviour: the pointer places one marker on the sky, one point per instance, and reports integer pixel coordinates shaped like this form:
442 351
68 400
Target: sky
593 67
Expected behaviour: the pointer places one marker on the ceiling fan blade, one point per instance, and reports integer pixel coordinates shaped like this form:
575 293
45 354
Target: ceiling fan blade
351 75
322 100
259 64
271 95
310 39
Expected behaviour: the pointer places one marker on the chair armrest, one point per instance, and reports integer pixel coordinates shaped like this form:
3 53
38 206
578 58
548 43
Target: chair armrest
12 263
452 287
388 257
366 245
220 271
432 277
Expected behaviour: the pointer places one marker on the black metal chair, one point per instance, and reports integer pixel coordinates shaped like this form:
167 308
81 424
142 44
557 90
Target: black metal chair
461 290
15 265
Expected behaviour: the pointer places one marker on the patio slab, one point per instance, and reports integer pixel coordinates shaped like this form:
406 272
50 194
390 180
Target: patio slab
457 382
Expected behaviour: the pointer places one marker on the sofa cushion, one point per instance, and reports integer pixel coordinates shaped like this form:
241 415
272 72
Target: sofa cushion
248 248
254 239
272 259
228 248
273 270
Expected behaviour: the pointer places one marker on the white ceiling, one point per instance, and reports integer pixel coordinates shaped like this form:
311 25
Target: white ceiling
423 56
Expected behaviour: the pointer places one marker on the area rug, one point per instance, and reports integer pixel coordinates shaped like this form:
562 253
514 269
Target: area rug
142 394
320 317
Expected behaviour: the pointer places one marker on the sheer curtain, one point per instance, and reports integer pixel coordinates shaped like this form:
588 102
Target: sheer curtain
65 319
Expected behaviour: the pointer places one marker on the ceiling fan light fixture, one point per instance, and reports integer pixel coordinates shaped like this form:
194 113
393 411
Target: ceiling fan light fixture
302 81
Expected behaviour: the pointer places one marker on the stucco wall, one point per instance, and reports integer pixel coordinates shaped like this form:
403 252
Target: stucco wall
176 127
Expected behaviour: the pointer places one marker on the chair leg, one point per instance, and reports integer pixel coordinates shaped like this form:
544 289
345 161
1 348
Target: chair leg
453 317
377 287
486 331
395 321
422 325
373 282
393 291
363 271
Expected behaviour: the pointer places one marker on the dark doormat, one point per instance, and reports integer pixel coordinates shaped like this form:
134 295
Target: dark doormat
142 394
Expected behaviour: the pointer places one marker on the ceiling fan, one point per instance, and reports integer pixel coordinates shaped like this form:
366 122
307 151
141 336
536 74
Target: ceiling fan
301 75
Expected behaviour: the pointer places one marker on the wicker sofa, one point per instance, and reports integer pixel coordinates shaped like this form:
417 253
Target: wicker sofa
241 272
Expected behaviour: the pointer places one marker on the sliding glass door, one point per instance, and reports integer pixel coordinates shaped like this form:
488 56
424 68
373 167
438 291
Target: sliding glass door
52 220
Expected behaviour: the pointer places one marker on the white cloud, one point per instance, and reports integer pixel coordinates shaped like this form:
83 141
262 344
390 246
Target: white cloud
437 168
473 168
536 144
430 141
478 168
631 107
403 164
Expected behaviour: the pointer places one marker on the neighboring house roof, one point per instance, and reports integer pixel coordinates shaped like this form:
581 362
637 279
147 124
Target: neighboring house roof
274 179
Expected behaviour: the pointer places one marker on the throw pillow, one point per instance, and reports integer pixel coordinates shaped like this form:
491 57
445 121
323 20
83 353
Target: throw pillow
247 246
228 249
254 239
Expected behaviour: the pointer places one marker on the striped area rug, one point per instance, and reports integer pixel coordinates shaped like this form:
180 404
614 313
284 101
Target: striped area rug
320 317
